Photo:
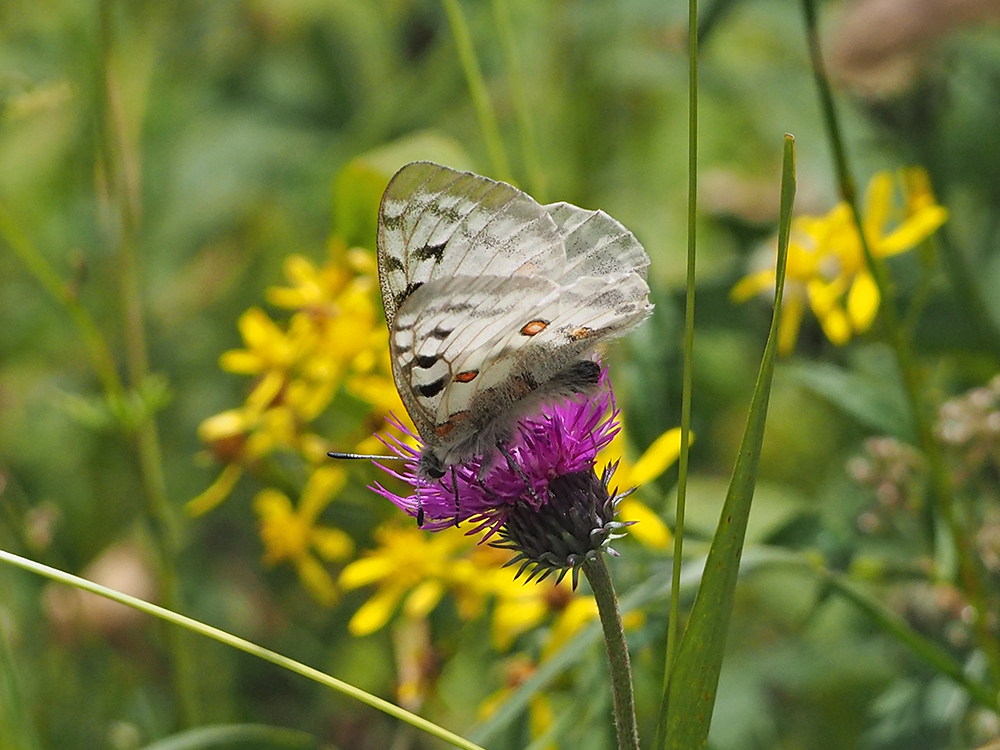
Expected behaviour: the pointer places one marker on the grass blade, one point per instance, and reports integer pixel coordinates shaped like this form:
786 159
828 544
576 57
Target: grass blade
691 687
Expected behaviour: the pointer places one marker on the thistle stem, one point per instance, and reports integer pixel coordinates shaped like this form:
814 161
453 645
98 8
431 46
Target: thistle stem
614 641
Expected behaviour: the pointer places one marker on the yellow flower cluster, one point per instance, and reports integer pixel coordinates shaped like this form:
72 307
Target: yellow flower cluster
826 263
333 341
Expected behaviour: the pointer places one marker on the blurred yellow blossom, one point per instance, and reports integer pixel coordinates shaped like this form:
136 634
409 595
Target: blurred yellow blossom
648 528
410 564
290 534
826 263
333 337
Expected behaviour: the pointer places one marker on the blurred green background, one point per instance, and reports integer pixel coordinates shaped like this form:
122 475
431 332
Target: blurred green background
233 123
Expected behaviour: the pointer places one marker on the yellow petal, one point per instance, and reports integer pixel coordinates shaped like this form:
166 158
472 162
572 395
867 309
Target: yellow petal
917 189
878 202
836 326
658 456
375 613
287 298
257 329
365 571
423 599
752 285
824 299
649 528
269 503
541 717
241 362
913 231
325 484
317 581
577 613
792 309
331 544
862 302
224 425
215 494
511 617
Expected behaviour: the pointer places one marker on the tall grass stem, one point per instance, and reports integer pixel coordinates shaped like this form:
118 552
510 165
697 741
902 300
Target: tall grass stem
485 112
912 377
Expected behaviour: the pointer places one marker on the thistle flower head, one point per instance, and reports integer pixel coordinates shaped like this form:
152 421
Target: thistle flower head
541 497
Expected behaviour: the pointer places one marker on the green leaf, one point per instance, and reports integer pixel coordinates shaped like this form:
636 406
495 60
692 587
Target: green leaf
872 395
358 188
689 696
247 736
775 507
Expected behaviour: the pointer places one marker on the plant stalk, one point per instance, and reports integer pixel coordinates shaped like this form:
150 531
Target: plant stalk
477 88
912 378
614 641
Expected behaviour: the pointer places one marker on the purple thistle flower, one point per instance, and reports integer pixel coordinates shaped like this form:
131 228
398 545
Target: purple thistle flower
560 516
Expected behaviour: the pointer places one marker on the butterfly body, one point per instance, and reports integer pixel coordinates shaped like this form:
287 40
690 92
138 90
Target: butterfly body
495 303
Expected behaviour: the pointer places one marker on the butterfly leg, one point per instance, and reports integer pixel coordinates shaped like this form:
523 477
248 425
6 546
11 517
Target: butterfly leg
454 486
517 470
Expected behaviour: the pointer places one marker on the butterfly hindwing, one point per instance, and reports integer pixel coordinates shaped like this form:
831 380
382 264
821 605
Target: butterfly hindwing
472 354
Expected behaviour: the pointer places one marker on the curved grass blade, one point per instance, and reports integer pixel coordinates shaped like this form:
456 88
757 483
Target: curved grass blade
235 736
690 688
242 644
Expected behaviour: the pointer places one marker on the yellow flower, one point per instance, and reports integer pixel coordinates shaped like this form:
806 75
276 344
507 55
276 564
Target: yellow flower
826 263
299 369
410 564
649 528
291 534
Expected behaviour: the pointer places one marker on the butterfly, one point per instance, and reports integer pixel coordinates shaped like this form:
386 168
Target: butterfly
495 303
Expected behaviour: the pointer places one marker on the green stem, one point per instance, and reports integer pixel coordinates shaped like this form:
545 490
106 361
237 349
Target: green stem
968 293
121 192
97 347
912 379
515 75
687 375
477 88
928 651
15 715
614 641
233 641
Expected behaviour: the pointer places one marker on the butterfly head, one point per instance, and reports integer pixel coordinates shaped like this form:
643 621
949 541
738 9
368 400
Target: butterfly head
430 464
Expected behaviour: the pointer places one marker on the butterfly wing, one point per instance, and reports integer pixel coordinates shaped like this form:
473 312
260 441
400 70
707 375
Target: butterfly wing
435 222
596 244
473 354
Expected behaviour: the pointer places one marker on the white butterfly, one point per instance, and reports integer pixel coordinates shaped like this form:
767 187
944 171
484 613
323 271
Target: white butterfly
495 304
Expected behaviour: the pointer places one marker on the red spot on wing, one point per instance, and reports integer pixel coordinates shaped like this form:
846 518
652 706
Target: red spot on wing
534 327
466 377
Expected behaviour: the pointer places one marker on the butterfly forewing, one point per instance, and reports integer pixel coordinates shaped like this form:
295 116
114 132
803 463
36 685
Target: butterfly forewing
596 244
435 222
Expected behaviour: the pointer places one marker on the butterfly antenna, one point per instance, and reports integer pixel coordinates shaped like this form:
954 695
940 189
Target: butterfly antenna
517 470
368 456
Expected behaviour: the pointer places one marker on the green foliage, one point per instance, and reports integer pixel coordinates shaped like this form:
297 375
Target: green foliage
160 161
